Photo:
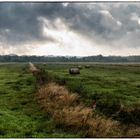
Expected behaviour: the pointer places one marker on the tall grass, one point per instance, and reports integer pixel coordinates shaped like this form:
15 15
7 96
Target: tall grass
70 113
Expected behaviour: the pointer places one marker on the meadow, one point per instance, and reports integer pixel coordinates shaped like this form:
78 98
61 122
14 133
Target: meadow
115 88
20 115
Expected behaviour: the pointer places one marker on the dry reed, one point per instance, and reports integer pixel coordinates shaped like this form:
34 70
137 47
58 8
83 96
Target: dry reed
67 111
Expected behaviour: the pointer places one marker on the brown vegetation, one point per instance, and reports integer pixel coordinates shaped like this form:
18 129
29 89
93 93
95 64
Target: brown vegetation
39 74
67 111
32 68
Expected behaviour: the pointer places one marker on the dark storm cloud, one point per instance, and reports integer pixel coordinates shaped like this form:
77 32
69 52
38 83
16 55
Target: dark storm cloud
106 22
18 21
110 22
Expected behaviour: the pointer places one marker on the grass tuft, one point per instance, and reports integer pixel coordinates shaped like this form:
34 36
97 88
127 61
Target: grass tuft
70 113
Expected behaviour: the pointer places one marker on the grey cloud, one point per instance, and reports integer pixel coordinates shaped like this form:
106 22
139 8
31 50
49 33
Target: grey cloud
19 24
106 29
21 21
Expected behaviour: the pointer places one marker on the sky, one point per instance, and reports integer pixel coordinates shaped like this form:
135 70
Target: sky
70 29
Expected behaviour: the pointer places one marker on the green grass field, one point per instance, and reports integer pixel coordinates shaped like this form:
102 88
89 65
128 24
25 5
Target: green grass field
20 115
111 81
111 86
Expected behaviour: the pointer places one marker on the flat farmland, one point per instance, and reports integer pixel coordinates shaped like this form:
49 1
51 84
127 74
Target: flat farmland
114 87
108 81
20 115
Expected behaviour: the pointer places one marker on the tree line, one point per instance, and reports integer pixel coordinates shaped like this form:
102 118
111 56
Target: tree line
97 58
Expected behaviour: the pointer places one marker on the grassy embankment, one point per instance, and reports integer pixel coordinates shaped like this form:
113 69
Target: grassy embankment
115 88
20 115
111 106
